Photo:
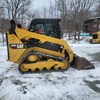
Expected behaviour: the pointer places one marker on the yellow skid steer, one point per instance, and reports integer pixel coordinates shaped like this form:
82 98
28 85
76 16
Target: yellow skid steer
95 38
39 47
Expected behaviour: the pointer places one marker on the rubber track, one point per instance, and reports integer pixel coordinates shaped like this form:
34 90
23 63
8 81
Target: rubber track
42 54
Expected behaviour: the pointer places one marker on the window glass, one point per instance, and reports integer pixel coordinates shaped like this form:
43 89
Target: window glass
39 28
45 29
49 29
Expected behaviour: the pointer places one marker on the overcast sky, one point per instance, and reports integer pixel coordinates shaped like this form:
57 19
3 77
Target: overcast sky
38 4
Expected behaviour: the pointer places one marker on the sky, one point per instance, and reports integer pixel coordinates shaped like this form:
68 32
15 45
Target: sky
38 4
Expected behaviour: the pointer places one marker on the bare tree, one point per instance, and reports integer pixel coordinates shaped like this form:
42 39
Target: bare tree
16 8
31 16
44 11
98 9
73 13
81 11
52 10
61 4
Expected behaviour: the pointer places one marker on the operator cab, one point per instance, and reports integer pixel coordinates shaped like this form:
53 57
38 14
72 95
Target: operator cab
49 27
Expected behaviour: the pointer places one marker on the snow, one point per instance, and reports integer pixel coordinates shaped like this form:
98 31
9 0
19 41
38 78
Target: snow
68 85
1 37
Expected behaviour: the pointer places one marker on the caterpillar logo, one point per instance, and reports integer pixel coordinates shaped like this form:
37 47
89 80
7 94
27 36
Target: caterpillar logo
17 46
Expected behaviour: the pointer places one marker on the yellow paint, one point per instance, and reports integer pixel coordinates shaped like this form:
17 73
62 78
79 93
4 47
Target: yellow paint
45 64
17 55
98 38
14 53
32 58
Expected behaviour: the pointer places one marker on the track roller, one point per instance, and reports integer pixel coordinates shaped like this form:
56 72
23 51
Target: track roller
22 69
32 58
64 67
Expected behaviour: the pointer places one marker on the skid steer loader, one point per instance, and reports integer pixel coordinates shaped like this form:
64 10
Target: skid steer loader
39 47
95 38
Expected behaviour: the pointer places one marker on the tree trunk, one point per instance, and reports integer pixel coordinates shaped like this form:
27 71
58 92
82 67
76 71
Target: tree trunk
75 37
69 35
79 36
3 39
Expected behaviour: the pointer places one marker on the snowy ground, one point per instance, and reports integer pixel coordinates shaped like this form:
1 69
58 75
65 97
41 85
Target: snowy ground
68 85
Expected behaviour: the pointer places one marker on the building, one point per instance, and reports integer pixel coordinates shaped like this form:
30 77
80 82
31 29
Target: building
92 25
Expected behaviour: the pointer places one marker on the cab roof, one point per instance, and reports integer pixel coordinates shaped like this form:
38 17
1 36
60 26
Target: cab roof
45 20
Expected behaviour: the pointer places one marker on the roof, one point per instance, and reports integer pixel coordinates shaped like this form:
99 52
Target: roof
45 20
92 18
